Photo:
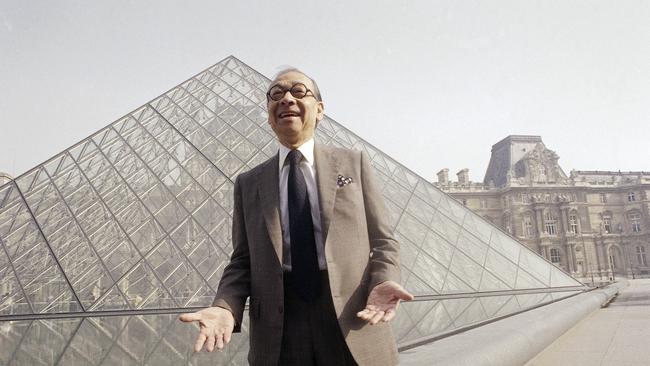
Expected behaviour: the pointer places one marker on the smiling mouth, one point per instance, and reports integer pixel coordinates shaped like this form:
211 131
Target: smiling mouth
288 114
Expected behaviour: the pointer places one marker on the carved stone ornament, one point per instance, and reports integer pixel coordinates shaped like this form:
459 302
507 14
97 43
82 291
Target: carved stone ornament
540 166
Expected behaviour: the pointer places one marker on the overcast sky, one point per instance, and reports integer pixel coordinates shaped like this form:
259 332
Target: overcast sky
432 83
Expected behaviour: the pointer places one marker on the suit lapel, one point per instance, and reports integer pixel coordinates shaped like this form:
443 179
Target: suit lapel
269 194
326 170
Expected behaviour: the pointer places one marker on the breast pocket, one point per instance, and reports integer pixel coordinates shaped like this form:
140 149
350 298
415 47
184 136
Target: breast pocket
351 191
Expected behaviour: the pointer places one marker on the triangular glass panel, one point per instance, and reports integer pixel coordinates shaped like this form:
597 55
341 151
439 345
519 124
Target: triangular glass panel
466 268
559 278
110 300
530 300
53 333
12 298
502 268
505 245
12 335
473 313
493 305
490 283
179 276
510 307
454 284
526 281
88 345
430 271
144 290
536 266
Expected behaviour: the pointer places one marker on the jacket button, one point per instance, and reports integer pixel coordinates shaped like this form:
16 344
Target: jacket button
280 309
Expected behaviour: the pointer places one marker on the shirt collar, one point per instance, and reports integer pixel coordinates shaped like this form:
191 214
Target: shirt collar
306 149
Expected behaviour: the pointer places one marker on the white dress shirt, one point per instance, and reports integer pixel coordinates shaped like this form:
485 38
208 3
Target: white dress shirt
308 169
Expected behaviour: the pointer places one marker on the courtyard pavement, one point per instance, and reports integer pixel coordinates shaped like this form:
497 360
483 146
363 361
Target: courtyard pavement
617 335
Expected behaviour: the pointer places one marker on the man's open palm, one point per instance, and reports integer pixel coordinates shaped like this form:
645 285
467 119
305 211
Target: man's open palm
383 302
216 327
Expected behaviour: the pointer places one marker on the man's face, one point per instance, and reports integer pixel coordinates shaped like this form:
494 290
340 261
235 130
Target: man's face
294 119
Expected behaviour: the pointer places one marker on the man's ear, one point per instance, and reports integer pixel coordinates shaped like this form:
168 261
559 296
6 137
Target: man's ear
321 112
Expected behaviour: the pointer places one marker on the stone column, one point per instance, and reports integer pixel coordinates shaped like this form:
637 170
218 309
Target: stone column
565 220
539 212
602 257
571 258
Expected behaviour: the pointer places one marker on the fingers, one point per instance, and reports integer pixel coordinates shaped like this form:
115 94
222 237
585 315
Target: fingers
200 340
404 295
374 316
209 344
190 317
390 314
220 343
401 293
371 316
214 332
377 317
366 314
223 338
227 335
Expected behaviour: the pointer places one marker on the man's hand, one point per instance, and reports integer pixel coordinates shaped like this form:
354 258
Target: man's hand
216 327
383 302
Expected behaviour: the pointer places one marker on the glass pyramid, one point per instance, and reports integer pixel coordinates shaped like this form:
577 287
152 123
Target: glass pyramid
104 244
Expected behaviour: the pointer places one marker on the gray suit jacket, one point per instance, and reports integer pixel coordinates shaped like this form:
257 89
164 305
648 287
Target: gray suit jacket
359 247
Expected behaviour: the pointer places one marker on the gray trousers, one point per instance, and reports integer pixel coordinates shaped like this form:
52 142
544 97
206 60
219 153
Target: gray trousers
311 334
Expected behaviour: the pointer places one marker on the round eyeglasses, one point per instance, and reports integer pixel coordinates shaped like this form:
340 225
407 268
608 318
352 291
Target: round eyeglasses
297 90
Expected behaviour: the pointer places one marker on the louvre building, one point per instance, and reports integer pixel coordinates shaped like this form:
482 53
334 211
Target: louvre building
104 244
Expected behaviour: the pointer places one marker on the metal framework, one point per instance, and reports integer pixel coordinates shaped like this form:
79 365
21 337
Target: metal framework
103 244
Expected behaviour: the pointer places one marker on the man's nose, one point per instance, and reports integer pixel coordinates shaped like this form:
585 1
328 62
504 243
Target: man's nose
287 98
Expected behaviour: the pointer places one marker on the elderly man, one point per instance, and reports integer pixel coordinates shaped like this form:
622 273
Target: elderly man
312 249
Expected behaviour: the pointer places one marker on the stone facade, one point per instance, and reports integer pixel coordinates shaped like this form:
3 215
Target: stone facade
593 224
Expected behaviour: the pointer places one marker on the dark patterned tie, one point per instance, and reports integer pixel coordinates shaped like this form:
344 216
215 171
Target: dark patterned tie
304 261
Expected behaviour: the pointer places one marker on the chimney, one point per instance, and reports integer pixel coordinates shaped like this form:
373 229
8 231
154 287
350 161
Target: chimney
443 177
463 176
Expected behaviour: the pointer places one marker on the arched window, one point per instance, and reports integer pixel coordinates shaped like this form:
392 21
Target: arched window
640 256
550 223
635 221
555 256
573 222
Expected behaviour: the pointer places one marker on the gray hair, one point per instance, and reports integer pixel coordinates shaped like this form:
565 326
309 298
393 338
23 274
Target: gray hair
289 69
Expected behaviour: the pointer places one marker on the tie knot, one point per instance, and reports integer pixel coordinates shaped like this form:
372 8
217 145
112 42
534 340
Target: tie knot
294 157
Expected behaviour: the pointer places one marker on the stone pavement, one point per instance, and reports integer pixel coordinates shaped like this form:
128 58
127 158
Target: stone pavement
618 335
